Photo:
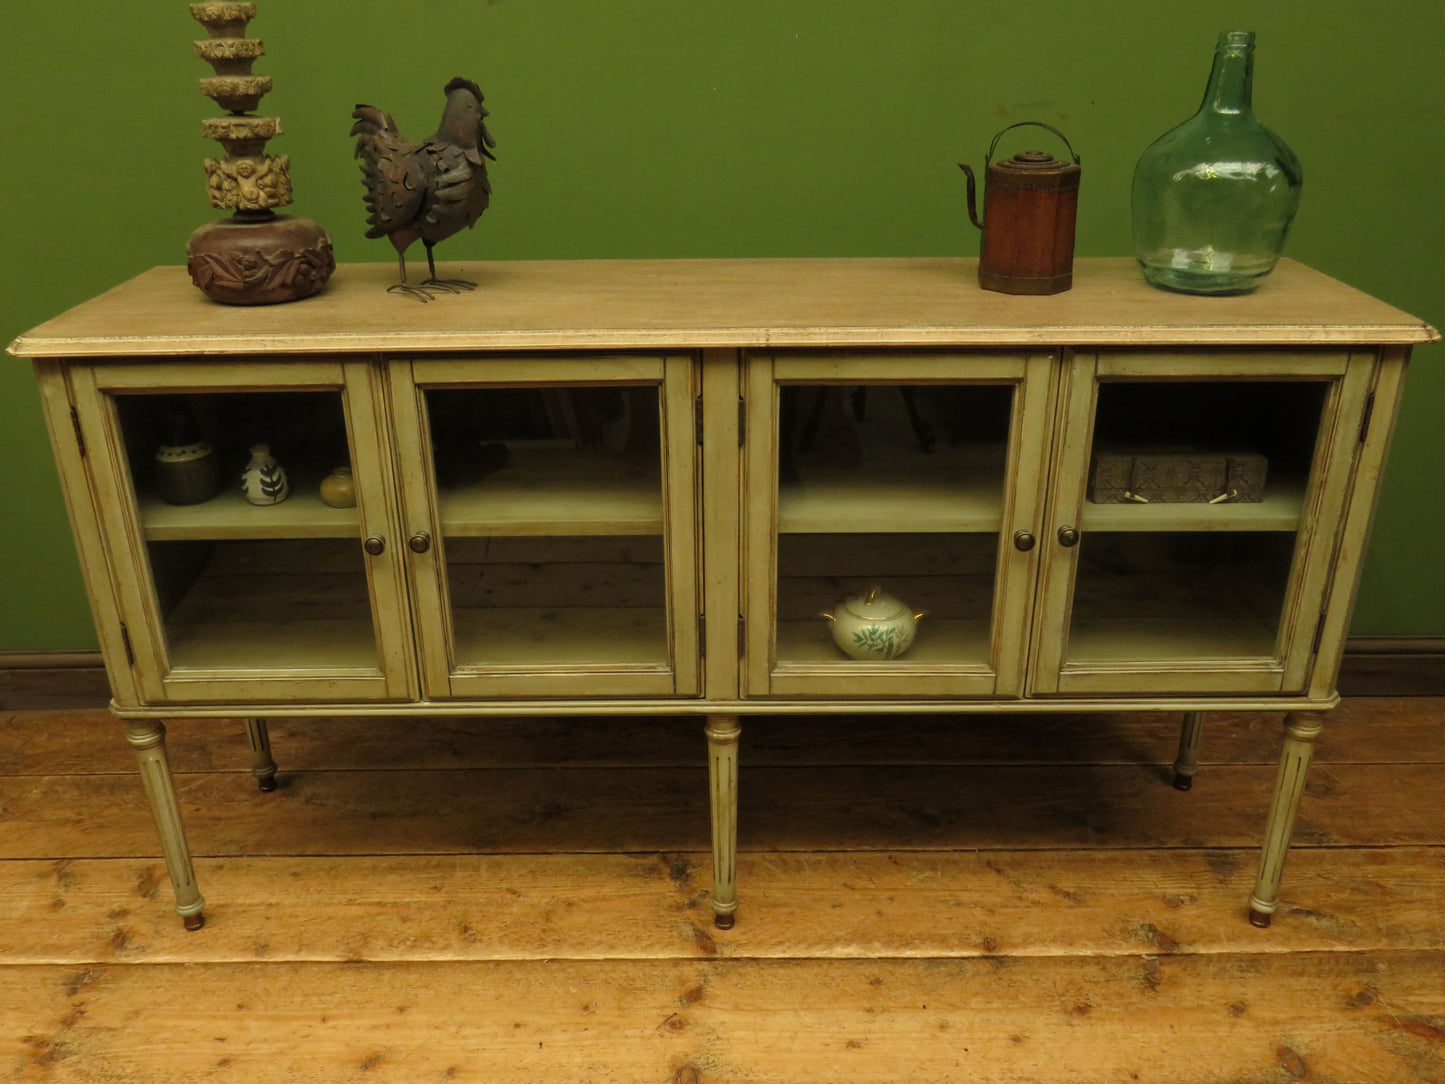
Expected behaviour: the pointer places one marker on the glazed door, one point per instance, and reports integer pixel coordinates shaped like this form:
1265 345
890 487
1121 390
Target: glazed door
550 520
915 478
261 592
1192 518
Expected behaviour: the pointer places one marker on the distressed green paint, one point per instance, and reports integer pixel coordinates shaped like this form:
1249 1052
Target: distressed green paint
741 128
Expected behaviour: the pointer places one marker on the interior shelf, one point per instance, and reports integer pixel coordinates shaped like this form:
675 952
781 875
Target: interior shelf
247 612
940 641
1179 613
556 493
843 503
955 490
573 637
1145 641
1280 510
228 515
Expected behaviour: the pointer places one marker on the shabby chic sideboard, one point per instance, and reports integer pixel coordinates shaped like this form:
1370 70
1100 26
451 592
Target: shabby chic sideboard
632 487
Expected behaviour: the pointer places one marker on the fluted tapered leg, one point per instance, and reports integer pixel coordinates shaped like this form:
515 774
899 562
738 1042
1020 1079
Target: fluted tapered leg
263 766
722 748
1300 730
1187 762
148 738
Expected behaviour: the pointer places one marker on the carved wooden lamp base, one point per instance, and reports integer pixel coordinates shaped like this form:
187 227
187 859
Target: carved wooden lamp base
260 258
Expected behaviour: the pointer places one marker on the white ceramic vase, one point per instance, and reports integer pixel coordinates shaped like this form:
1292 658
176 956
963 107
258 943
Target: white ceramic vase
264 480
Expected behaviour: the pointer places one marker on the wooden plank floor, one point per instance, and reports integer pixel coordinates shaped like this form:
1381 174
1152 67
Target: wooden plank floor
923 899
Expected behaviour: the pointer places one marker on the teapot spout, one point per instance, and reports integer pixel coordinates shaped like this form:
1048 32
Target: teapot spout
972 196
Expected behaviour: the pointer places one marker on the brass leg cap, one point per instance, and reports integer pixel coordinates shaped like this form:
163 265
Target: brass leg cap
724 922
1259 919
1183 782
193 922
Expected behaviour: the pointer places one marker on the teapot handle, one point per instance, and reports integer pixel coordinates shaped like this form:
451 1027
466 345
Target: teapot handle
1024 123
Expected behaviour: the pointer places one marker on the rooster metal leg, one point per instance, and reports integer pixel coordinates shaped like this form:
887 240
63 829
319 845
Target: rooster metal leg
452 286
403 287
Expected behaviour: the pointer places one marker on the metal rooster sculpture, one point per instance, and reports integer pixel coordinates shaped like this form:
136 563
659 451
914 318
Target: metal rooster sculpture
426 190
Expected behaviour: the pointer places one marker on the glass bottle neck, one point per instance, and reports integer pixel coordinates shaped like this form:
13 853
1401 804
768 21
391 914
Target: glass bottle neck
1231 80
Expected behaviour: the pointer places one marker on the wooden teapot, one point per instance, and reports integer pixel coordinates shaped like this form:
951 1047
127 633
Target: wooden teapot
1028 226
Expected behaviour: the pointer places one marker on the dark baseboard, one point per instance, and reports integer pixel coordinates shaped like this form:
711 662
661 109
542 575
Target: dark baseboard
1373 666
1393 666
35 680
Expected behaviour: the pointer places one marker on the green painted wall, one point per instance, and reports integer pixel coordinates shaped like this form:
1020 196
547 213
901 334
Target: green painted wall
737 128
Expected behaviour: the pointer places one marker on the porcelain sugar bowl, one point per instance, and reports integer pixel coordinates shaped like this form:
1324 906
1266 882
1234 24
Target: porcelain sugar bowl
873 625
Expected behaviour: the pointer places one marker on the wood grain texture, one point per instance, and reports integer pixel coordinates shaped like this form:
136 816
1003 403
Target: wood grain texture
519 810
827 905
1374 730
638 304
333 951
1333 1018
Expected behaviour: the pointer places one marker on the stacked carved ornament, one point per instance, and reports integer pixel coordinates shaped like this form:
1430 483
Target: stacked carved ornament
256 256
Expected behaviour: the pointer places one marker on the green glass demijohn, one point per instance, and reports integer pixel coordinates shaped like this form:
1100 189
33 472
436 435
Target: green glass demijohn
1214 198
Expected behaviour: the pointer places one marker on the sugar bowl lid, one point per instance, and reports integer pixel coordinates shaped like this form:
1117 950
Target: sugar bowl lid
876 605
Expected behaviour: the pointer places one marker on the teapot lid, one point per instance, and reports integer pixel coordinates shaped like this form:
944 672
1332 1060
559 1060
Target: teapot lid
876 605
1033 160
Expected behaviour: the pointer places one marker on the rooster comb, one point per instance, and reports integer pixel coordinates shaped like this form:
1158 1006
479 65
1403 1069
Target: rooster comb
464 84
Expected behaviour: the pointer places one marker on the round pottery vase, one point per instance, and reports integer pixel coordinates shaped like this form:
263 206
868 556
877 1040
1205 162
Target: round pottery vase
338 489
264 480
187 473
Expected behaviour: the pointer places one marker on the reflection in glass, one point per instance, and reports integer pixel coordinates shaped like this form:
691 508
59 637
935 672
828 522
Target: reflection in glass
1185 596
273 604
558 601
242 586
948 576
551 509
1175 578
898 487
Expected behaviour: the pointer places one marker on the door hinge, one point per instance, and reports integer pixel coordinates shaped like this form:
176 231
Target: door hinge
697 417
79 436
742 636
125 640
742 421
702 636
1369 413
1319 634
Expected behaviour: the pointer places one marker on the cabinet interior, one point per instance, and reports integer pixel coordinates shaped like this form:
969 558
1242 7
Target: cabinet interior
242 586
1175 582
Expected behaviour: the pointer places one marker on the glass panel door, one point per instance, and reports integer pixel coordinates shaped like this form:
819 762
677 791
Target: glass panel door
891 531
254 579
553 520
1188 544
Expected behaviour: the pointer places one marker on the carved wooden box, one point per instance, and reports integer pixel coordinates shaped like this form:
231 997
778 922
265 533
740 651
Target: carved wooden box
1176 476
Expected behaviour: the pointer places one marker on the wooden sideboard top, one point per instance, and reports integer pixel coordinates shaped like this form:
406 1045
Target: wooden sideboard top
688 304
